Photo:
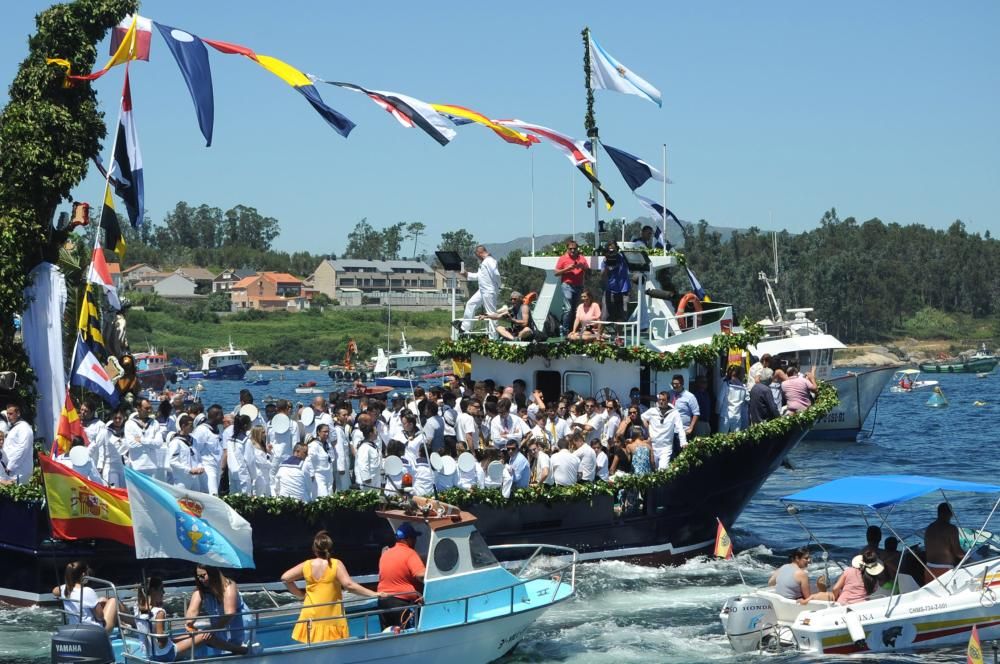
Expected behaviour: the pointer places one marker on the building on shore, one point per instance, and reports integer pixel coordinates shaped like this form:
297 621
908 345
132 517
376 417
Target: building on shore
354 281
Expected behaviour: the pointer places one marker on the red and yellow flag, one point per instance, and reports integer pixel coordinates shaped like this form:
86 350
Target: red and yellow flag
723 545
69 425
974 653
81 509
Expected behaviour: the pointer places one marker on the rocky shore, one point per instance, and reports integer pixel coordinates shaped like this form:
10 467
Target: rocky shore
902 352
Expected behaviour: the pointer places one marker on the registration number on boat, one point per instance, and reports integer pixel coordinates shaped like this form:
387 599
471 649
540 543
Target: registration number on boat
929 607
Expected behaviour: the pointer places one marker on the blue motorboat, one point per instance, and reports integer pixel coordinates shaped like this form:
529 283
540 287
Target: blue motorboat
259 380
474 609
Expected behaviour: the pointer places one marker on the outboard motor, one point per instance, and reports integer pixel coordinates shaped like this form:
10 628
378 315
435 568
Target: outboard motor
82 643
749 622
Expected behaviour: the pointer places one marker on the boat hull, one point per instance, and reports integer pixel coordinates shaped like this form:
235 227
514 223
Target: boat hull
396 381
677 521
982 365
227 372
857 393
156 379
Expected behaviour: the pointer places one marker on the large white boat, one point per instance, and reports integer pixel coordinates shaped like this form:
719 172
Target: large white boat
915 616
473 610
224 364
806 342
402 369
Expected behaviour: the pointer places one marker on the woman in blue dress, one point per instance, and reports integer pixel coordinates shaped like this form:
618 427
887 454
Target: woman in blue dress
218 599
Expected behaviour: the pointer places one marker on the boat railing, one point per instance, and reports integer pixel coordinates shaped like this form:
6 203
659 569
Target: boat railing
664 327
272 619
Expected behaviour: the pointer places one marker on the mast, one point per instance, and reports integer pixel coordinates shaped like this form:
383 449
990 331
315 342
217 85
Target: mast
590 124
664 220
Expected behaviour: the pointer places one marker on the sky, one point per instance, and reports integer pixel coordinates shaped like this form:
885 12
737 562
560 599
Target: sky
773 112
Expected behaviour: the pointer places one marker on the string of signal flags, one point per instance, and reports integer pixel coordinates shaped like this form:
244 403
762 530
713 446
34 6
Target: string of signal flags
131 40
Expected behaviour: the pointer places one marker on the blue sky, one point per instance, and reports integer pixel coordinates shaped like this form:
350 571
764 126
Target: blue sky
772 110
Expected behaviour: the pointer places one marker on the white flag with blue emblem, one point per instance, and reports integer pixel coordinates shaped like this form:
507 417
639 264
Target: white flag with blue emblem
606 73
169 522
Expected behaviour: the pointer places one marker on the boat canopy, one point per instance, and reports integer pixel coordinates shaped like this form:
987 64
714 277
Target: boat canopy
877 491
908 372
798 343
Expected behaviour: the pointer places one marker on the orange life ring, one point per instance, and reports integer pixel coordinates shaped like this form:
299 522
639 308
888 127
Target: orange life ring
687 299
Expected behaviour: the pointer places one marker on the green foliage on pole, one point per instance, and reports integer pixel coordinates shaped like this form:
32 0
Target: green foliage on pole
48 134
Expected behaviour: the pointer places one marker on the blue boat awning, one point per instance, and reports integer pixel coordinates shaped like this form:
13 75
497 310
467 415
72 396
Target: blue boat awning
877 491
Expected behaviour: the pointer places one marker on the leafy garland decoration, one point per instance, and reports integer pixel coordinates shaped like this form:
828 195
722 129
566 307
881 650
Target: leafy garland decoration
697 452
601 351
559 248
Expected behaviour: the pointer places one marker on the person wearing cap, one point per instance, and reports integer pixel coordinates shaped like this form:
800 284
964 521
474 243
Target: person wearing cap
400 573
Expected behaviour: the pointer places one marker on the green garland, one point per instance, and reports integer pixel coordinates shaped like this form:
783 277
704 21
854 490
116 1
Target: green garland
697 452
559 248
601 351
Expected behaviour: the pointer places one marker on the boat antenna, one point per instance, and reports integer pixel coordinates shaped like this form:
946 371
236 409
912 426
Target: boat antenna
772 300
793 511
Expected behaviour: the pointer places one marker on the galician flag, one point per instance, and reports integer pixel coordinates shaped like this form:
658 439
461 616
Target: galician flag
606 73
723 545
169 522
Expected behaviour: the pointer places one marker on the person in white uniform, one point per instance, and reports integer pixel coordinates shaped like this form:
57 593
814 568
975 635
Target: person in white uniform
208 444
281 440
18 446
342 443
322 459
185 464
486 297
144 441
294 476
240 458
663 421
97 434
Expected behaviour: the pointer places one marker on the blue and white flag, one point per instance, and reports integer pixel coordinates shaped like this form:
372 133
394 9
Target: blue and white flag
192 57
88 372
635 171
606 73
169 522
696 285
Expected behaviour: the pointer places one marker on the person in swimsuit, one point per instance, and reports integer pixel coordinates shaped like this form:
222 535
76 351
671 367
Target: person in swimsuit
217 598
942 545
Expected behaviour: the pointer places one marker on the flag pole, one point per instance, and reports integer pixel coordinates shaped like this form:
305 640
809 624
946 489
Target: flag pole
531 177
590 124
664 220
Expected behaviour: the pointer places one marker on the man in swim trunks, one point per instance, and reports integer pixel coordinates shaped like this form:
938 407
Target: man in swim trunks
941 543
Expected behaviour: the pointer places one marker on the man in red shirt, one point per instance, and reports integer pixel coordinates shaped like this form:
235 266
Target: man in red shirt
400 571
572 267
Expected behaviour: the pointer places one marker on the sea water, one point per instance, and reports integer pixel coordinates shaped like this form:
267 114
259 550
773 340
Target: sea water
628 613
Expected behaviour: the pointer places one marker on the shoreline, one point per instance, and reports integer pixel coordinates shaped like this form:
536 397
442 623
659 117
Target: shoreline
903 352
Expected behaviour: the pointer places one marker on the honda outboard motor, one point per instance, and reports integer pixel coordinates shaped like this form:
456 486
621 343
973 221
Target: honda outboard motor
749 622
82 643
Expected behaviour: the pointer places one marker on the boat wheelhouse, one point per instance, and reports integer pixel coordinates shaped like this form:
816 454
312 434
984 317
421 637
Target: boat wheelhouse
154 370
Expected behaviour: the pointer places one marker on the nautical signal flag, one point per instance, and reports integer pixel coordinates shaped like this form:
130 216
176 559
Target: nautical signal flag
113 238
99 275
68 427
723 545
89 323
635 171
974 653
606 73
126 51
89 373
294 78
143 36
408 111
170 522
126 170
192 58
82 509
463 115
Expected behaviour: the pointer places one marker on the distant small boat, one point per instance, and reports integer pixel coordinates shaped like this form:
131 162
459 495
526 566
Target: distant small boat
981 362
259 380
908 380
366 391
308 387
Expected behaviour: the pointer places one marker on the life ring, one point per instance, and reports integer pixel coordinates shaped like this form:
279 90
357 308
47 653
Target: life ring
688 298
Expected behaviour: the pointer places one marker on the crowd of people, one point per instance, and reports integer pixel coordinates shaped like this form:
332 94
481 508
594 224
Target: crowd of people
516 438
216 619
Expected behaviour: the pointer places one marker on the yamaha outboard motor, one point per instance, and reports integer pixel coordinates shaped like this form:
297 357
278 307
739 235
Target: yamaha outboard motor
82 643
749 622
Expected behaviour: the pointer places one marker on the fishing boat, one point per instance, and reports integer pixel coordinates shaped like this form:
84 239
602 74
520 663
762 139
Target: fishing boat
473 609
308 387
223 364
908 380
154 370
403 369
915 616
806 342
982 361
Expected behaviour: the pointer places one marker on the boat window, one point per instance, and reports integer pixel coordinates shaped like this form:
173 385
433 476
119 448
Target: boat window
578 381
549 382
445 555
480 552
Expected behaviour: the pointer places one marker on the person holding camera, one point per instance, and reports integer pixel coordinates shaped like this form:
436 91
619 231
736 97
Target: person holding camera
617 283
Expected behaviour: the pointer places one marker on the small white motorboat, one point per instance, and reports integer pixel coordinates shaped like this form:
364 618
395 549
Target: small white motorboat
914 616
908 380
474 609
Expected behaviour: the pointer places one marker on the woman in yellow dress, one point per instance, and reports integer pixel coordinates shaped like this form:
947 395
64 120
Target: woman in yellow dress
322 616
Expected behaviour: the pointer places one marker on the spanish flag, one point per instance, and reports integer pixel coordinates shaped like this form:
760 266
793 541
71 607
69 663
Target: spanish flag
81 509
723 545
68 428
974 653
